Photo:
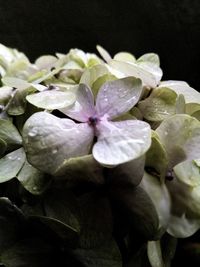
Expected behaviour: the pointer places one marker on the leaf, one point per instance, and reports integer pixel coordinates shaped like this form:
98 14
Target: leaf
32 179
159 105
127 173
51 99
136 209
180 135
155 254
10 134
12 223
11 164
120 142
32 252
107 256
64 231
117 97
81 169
49 141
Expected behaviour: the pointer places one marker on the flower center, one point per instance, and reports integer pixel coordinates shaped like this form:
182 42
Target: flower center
93 121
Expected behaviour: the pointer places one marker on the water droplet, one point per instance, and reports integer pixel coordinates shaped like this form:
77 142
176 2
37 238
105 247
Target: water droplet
32 133
35 188
54 151
106 99
19 158
166 132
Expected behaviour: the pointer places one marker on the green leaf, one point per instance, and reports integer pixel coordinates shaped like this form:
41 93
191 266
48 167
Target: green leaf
156 156
81 169
155 254
159 105
64 231
137 209
107 255
29 252
51 99
10 134
32 179
61 205
127 173
11 164
180 135
96 220
12 222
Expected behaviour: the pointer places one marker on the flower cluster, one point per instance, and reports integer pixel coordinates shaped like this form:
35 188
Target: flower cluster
80 119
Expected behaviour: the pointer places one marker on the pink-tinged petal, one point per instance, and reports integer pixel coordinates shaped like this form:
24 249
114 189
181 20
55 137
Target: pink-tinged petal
84 105
49 140
120 142
118 96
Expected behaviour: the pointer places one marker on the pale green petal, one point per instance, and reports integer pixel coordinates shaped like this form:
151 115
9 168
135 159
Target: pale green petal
11 164
180 87
45 62
9 133
159 105
156 156
3 147
180 135
51 99
32 179
188 172
155 254
182 227
105 55
49 140
100 81
90 75
120 142
133 69
5 94
160 197
125 56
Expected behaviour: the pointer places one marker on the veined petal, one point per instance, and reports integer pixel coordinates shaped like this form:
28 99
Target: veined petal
49 140
118 96
84 105
120 142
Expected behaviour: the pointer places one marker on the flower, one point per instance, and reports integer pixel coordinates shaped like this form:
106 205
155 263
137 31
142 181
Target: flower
49 140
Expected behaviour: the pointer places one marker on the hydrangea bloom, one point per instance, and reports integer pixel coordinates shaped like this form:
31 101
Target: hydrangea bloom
117 141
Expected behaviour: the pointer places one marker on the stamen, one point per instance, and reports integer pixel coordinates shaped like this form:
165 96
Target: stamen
93 121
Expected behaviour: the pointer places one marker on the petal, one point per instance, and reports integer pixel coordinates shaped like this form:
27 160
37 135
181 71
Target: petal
105 55
180 135
49 140
84 105
118 97
120 142
51 99
132 69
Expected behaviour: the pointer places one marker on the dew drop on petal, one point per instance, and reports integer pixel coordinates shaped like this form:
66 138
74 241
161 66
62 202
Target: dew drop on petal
54 151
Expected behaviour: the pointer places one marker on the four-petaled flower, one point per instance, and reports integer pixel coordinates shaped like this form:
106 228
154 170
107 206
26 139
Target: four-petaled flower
49 140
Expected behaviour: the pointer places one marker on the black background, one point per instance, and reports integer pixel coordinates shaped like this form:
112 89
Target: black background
169 28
